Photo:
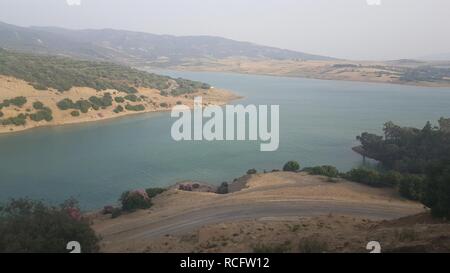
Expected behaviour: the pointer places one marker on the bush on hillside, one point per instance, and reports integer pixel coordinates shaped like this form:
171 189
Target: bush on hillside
38 105
291 166
18 101
223 188
131 97
75 113
18 120
34 227
152 192
104 101
44 114
325 170
138 107
44 72
437 190
412 186
119 99
118 109
391 178
134 200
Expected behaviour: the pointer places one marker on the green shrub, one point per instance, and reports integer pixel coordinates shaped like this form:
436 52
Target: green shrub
223 188
391 178
119 99
104 101
38 86
18 101
34 227
44 114
131 97
118 109
75 113
164 104
1 114
437 190
252 171
83 105
18 120
325 170
291 166
152 192
365 176
5 103
134 200
38 105
138 107
65 104
412 186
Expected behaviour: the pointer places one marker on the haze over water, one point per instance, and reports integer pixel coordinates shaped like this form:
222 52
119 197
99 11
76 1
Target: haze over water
319 120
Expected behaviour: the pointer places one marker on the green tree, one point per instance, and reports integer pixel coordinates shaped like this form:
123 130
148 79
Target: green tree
34 227
412 187
437 191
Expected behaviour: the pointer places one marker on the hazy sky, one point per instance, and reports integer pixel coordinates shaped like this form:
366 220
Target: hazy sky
339 28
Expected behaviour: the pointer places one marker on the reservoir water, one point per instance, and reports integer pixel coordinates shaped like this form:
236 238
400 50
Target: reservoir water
95 162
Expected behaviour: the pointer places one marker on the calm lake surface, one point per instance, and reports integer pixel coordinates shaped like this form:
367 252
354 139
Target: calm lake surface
319 120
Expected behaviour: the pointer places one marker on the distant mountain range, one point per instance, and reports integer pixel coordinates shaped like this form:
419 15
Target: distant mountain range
136 47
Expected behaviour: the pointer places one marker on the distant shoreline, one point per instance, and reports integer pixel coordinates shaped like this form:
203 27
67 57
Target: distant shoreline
319 70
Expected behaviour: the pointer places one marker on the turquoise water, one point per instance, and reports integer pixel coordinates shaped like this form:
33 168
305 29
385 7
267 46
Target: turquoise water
95 162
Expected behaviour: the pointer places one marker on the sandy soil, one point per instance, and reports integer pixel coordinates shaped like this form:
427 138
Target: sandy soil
363 71
279 195
12 87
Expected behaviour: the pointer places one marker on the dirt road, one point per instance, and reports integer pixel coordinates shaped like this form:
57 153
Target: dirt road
275 195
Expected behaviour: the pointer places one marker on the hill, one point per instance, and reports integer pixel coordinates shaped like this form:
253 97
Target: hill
208 53
136 47
38 90
44 72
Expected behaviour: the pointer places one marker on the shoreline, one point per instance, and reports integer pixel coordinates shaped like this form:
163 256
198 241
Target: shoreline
412 84
100 119
62 117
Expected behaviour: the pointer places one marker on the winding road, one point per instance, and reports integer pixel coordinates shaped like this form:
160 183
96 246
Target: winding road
148 228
